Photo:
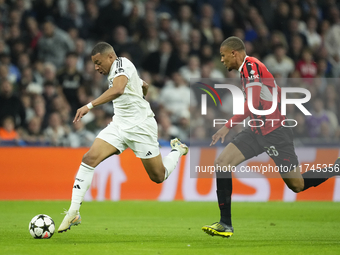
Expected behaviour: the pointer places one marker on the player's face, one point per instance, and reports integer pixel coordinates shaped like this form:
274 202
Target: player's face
102 62
228 58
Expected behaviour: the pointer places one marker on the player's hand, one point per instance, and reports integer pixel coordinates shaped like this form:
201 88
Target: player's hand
220 134
80 113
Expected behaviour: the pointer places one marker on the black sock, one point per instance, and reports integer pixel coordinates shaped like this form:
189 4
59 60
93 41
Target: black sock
224 190
313 178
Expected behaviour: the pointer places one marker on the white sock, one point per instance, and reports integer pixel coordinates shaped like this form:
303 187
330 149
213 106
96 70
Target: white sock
81 185
170 162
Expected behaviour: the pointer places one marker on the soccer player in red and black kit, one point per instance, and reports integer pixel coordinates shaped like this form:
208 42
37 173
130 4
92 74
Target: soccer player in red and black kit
269 136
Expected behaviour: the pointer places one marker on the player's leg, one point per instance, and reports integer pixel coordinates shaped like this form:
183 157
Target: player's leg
279 146
155 168
298 182
106 144
99 151
294 180
231 156
143 141
243 146
158 168
314 178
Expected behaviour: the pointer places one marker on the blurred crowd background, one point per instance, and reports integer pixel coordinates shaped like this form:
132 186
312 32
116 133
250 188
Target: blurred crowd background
46 72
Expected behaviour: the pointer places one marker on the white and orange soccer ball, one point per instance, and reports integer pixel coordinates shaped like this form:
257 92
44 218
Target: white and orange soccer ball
41 226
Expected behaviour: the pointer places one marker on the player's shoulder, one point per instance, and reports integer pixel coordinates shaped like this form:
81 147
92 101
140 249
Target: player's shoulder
124 65
124 61
255 64
120 62
252 60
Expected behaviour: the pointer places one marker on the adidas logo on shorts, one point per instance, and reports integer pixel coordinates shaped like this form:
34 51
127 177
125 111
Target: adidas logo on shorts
149 153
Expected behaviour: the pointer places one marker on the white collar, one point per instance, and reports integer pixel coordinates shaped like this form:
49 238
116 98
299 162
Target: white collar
113 64
240 69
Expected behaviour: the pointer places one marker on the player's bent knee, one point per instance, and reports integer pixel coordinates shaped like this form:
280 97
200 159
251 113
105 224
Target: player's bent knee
221 162
218 161
296 187
90 159
157 178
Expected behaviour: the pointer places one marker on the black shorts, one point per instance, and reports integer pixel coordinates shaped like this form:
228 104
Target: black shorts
278 144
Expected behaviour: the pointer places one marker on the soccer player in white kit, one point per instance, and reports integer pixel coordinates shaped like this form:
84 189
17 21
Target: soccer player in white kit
133 126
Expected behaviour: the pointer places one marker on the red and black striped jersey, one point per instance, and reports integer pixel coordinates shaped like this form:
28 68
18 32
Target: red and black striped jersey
254 73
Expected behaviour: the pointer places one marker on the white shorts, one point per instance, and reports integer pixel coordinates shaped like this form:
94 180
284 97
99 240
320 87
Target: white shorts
142 139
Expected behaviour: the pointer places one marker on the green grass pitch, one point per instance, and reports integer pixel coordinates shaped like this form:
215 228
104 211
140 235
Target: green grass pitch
149 227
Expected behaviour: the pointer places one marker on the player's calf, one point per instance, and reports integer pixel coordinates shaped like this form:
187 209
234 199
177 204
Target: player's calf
155 168
160 169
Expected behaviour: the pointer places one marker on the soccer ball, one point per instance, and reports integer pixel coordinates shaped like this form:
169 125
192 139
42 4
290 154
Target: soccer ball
41 226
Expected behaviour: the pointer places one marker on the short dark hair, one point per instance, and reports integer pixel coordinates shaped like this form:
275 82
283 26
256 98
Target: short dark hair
234 43
101 47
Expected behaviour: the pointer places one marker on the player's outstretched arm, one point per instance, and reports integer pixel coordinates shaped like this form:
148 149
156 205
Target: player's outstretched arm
112 93
81 112
220 134
117 89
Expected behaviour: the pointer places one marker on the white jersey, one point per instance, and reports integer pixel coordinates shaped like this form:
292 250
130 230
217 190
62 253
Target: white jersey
130 108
